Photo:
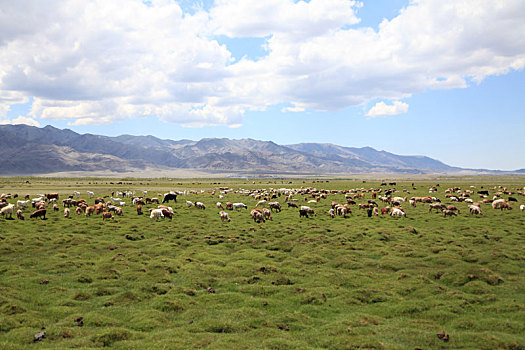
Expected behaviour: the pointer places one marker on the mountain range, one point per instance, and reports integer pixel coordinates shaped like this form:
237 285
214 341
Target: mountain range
29 150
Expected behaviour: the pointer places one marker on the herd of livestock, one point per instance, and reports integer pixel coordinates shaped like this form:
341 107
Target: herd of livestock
373 201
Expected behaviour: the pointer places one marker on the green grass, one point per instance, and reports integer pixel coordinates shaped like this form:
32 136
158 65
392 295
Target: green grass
290 283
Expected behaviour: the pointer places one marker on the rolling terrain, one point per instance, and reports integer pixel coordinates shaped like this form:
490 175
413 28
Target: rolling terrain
28 150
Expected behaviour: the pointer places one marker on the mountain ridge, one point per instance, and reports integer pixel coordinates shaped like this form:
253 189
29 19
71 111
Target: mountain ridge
49 149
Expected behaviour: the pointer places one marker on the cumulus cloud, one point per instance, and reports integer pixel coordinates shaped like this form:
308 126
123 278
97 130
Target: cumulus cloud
95 62
382 109
20 120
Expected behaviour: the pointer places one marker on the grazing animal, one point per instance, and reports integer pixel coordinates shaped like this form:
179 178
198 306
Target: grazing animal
19 214
397 212
66 212
257 215
375 211
305 211
522 207
267 214
229 206
8 210
40 213
107 215
167 213
55 207
436 206
168 197
78 210
224 216
260 203
50 196
200 205
331 212
447 212
239 206
139 209
188 203
275 206
156 214
474 209
22 204
89 210
453 208
292 205
219 205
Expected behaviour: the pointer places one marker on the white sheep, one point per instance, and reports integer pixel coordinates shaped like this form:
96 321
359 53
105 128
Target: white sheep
156 214
8 210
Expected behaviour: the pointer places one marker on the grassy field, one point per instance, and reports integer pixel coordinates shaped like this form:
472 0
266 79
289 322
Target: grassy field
289 283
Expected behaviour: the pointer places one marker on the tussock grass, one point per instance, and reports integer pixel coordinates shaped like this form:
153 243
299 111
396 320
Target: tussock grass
290 283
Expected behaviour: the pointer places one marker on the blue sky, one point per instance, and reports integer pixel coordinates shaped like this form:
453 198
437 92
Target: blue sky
432 77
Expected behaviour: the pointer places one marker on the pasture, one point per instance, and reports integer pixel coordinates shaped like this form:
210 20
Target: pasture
420 282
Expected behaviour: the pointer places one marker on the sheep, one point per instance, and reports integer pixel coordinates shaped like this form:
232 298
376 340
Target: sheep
55 207
474 209
89 210
219 205
139 209
375 211
66 212
453 208
239 206
229 206
90 194
267 214
224 216
200 205
78 210
22 204
331 213
40 213
448 212
8 210
260 203
257 215
19 214
397 212
275 205
167 213
437 206
189 204
292 205
305 211
522 207
107 215
501 204
156 214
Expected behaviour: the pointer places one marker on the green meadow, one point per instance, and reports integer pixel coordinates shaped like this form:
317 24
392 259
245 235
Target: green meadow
290 283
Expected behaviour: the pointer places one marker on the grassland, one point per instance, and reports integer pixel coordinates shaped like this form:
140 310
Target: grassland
289 283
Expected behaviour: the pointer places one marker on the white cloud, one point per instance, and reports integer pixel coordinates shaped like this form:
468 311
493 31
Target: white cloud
20 120
294 109
100 61
382 109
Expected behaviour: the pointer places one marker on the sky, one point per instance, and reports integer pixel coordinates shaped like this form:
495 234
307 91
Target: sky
441 78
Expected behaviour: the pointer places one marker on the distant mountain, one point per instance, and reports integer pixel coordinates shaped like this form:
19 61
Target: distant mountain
30 150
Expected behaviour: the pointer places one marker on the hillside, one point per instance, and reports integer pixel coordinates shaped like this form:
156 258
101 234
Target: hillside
48 149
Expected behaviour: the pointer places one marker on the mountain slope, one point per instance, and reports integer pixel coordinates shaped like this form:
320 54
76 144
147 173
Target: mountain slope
48 149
